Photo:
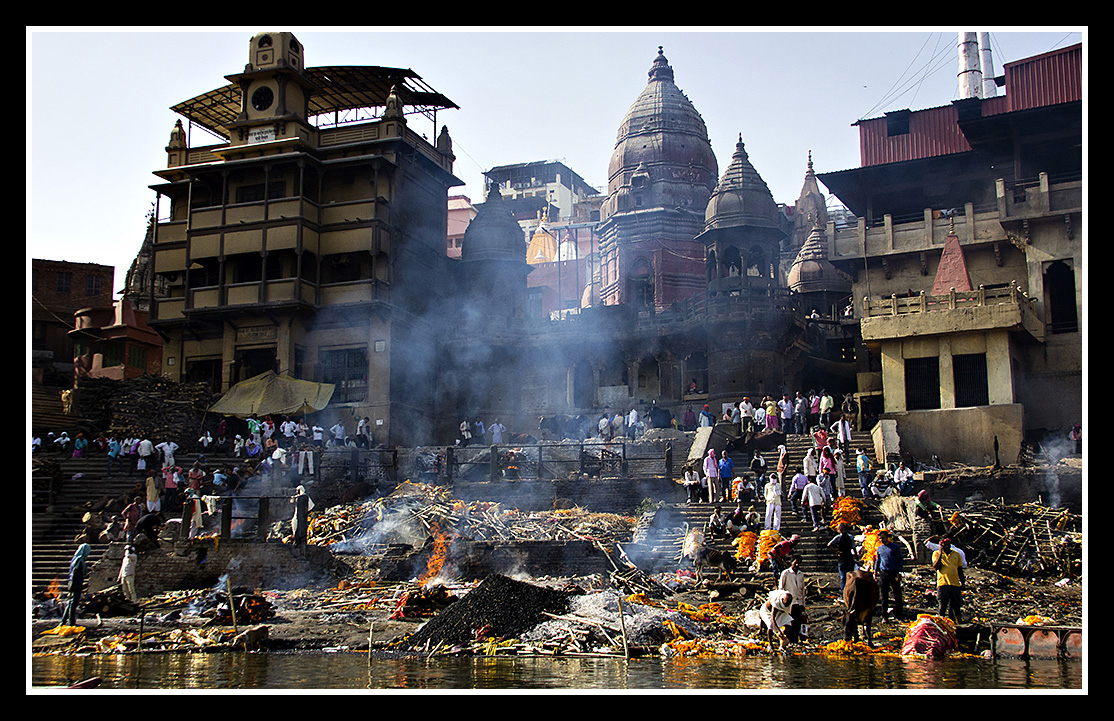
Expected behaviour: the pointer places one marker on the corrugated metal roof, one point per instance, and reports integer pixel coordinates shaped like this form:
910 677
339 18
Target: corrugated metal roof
1049 79
336 88
932 132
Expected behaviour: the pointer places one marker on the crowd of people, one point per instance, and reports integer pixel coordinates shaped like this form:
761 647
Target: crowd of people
809 487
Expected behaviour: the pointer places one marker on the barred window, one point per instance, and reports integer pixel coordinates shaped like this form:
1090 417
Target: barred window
922 383
137 356
92 285
112 354
969 374
347 370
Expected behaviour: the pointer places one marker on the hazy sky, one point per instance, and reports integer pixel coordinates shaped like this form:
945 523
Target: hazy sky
98 101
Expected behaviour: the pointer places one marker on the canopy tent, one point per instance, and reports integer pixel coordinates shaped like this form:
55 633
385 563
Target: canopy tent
270 393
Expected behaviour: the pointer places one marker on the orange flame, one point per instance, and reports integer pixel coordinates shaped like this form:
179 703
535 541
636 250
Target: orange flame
437 557
55 589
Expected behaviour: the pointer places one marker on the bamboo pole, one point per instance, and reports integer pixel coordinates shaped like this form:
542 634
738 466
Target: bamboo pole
231 604
623 627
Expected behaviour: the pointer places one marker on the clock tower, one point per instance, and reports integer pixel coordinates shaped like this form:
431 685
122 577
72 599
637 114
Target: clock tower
274 92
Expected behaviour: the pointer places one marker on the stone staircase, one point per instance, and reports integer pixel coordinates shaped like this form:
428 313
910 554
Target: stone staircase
47 415
56 517
660 545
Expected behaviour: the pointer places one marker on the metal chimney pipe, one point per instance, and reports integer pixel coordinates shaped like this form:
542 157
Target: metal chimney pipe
989 87
970 74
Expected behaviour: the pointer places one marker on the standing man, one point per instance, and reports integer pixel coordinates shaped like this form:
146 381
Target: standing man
772 494
797 492
711 472
144 455
726 473
785 407
632 423
815 498
746 411
844 545
167 448
888 565
113 456
862 465
800 414
497 431
793 581
255 429
131 514
813 410
289 429
339 433
949 580
77 584
826 405
126 577
318 435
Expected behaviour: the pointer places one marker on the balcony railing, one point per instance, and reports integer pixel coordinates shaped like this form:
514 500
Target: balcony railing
1011 297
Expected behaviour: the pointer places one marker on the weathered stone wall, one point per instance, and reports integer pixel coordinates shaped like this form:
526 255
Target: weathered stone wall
205 563
478 559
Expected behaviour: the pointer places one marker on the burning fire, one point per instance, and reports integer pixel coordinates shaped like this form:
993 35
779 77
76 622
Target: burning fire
437 556
55 590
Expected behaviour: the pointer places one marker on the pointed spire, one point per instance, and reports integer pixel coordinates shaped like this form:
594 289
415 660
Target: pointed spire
660 70
393 109
952 272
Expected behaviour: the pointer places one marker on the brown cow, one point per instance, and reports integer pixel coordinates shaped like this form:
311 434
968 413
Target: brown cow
860 595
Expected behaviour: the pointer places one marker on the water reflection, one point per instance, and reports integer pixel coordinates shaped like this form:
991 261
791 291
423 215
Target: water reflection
355 671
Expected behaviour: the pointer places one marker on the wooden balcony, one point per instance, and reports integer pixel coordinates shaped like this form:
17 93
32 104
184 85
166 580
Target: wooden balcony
977 310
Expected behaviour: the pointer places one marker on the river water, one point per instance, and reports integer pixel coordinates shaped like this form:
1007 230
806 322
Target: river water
354 670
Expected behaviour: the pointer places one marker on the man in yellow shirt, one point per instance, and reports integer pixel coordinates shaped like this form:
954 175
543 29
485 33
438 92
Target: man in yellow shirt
949 579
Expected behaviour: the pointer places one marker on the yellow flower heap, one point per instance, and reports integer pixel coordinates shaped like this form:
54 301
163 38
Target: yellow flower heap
766 541
871 542
846 510
745 544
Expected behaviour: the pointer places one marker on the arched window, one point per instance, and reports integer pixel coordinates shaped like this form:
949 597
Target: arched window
732 262
640 284
756 263
1059 293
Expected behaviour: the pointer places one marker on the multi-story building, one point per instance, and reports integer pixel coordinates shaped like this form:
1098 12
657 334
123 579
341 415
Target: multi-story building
60 289
114 342
544 186
305 245
967 263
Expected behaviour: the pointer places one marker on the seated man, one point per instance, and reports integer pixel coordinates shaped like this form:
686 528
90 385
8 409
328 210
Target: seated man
716 524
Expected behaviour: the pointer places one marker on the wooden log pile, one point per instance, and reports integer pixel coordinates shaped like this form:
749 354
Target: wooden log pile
150 406
1025 539
430 505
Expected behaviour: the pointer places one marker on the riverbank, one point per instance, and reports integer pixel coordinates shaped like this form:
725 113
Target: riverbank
360 614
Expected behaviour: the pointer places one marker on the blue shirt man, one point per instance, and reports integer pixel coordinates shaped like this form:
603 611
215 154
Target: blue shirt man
889 562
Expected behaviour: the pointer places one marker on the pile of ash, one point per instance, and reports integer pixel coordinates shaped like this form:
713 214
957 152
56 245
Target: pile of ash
499 607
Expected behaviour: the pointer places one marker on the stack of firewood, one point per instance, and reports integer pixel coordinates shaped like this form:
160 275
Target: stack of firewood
147 406
1021 539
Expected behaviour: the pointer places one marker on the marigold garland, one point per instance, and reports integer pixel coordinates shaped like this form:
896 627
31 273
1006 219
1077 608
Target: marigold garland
846 510
745 545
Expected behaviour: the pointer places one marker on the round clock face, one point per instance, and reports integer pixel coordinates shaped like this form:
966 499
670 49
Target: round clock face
262 98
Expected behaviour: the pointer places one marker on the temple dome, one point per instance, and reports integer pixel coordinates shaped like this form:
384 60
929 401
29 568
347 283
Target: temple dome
812 271
493 234
663 157
741 198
